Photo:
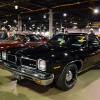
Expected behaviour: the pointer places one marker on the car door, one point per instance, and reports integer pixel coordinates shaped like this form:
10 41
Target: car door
93 52
96 48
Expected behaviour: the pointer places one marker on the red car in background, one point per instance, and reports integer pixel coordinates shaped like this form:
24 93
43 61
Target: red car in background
22 40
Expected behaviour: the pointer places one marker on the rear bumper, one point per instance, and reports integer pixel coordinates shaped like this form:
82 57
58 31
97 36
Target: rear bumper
39 78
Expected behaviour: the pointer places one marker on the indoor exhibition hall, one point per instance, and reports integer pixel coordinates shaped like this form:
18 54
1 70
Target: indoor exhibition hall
49 49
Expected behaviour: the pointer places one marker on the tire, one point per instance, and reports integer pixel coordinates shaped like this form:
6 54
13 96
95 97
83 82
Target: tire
68 78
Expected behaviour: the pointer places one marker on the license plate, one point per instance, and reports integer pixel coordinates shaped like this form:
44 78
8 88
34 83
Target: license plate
16 76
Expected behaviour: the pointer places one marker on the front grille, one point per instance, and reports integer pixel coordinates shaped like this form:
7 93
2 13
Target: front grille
11 58
28 63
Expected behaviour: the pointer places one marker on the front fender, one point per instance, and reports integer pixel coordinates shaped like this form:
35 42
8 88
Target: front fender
62 61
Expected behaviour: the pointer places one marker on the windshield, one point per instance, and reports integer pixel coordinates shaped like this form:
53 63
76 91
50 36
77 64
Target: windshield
74 40
32 38
26 38
16 37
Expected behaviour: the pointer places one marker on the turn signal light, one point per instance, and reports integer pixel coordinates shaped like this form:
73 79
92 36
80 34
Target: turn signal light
38 81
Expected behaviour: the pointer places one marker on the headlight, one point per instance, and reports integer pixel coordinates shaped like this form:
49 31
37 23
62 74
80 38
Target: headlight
4 56
41 64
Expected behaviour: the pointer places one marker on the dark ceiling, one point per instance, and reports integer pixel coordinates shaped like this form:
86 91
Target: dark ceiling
80 11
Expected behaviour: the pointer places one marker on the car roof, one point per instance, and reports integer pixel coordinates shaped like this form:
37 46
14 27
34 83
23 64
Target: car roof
78 34
39 35
73 34
25 33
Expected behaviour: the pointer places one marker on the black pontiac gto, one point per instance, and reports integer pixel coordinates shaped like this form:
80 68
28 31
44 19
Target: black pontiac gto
59 60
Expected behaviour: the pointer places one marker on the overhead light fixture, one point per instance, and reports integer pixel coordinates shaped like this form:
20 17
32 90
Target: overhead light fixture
96 11
16 6
78 2
64 14
56 22
44 16
75 23
65 20
33 25
29 18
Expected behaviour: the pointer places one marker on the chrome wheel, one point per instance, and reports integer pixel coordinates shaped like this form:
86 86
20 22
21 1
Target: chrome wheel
69 75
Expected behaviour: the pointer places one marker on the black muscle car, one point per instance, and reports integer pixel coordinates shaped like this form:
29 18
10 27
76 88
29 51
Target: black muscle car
59 60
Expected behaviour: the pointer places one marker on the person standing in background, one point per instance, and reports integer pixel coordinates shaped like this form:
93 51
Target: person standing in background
91 31
55 33
66 31
13 31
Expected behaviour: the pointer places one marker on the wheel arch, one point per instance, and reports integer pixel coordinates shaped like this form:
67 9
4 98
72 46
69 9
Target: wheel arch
78 63
74 67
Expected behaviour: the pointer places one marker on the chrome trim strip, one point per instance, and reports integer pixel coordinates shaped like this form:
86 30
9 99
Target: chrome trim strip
75 61
27 58
33 76
28 67
25 65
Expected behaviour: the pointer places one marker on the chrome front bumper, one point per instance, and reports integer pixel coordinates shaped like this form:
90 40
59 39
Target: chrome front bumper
43 78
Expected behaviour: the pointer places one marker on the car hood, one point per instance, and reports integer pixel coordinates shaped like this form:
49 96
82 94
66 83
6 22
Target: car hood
8 44
45 50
